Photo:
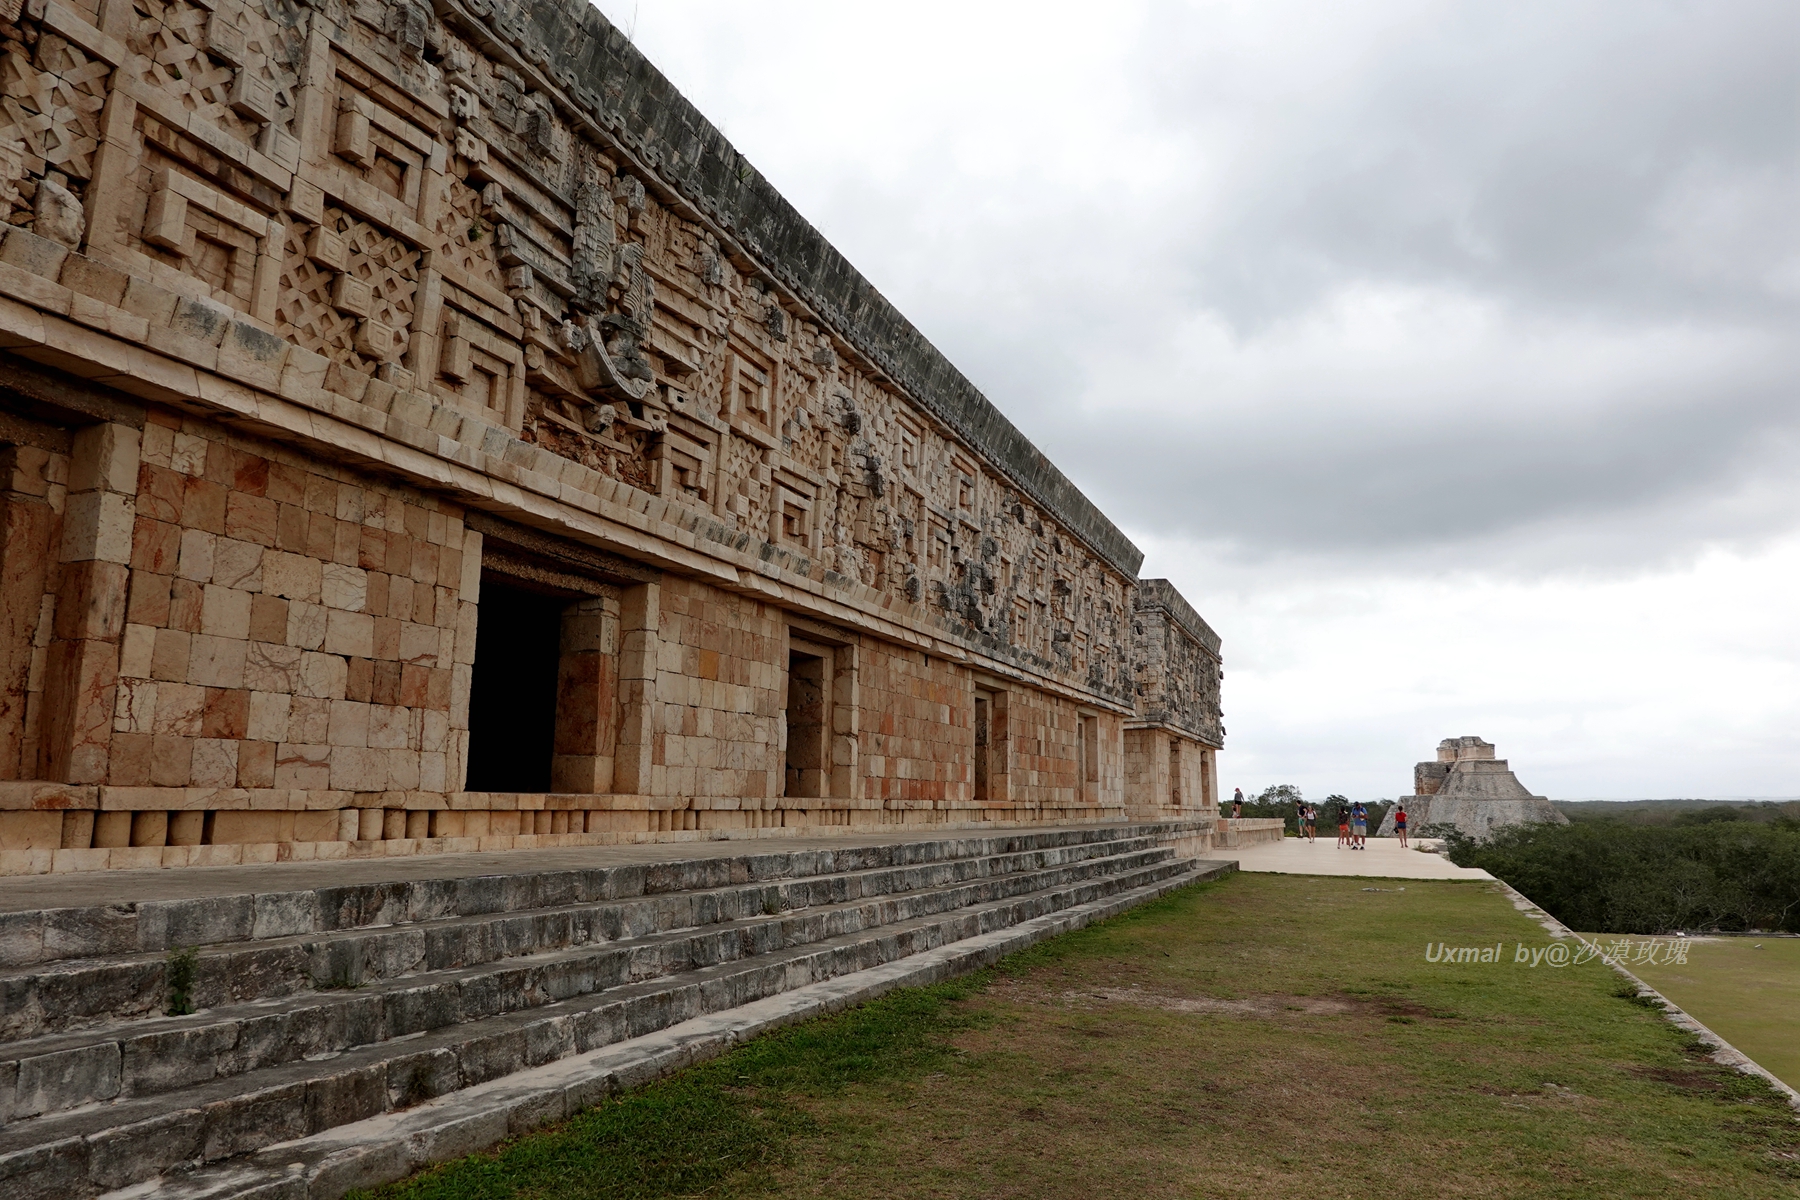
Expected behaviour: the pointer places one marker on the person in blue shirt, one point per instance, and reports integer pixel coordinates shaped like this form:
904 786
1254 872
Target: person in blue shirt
1359 826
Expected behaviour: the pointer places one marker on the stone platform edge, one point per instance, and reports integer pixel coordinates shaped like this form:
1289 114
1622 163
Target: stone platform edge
1723 1052
1215 833
392 1146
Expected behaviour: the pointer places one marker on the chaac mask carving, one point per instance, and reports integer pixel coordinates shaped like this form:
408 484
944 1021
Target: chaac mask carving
615 298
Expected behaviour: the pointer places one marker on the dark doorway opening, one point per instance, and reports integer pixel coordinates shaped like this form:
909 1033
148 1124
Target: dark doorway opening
1088 754
984 737
805 766
512 696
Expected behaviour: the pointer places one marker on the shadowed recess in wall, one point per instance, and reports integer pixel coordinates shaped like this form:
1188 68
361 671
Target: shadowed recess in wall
512 701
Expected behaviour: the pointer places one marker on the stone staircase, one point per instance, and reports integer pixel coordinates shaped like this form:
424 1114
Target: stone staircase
337 1036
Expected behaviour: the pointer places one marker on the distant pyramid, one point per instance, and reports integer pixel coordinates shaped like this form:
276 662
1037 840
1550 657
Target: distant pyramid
1470 790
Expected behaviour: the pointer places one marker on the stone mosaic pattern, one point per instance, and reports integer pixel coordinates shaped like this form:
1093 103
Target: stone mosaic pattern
335 275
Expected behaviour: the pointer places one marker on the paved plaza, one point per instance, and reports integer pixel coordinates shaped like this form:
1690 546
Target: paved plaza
1383 859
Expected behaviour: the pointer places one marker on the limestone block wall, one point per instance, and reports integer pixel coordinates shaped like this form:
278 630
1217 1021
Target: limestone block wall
719 688
1052 768
1172 742
1166 773
285 657
297 300
243 644
917 746
290 625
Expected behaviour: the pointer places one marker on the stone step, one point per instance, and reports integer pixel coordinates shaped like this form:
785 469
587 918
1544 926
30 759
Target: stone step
74 994
391 1145
33 936
146 1057
131 1141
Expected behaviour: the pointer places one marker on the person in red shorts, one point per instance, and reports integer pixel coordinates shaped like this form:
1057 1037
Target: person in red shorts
1400 824
1343 816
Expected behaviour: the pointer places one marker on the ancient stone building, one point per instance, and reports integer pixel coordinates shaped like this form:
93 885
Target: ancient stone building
423 431
1470 791
1170 743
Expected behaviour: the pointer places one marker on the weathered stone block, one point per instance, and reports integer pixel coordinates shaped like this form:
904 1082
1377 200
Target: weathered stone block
150 828
29 252
94 279
250 1122
98 525
186 828
30 830
21 943
346 1096
200 320
253 355
112 829
54 1171
53 1082
415 1078
218 662
165 924
238 565
144 1149
163 1062
105 458
238 827
458 1137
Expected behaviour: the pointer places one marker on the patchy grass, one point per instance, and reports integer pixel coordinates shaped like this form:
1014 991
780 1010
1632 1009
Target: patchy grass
1746 990
1268 1035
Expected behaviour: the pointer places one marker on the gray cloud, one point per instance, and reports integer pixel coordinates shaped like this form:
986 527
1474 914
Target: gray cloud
1604 157
1611 190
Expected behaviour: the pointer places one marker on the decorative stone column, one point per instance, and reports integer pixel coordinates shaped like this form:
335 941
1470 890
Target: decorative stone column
846 740
634 768
586 710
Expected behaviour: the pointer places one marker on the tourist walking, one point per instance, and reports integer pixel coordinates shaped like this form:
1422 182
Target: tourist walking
1343 824
1312 819
1299 819
1400 824
1237 803
1359 826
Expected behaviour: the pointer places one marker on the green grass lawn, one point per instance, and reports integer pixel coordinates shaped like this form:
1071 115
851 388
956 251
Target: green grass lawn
1267 1035
1746 990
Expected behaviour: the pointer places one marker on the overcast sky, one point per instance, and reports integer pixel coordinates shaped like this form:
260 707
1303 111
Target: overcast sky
1443 355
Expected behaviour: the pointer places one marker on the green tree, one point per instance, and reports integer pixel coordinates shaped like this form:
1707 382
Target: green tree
1281 793
1277 801
1613 877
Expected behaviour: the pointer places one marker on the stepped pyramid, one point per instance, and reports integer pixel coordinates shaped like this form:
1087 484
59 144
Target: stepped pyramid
1471 791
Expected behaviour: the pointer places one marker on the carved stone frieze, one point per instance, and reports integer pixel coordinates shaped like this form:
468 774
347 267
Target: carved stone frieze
51 95
402 191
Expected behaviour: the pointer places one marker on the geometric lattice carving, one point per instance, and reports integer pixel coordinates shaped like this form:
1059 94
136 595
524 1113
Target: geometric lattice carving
196 55
306 314
470 236
52 104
